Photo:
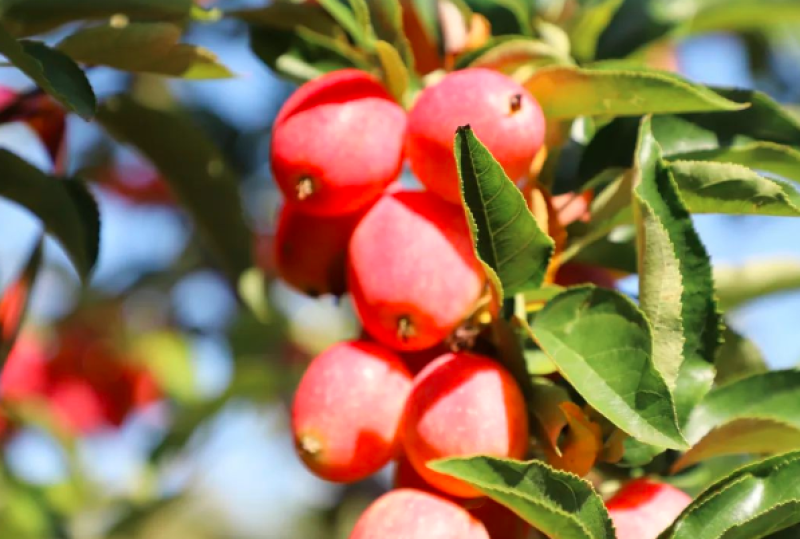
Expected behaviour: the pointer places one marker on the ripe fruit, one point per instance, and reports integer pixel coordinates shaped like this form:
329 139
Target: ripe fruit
463 404
505 117
643 508
412 270
348 409
413 514
501 523
573 273
337 143
311 251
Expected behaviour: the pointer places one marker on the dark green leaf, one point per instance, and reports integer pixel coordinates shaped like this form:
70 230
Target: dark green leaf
505 16
602 344
195 170
558 504
387 20
14 301
145 48
66 208
26 17
53 71
754 501
589 24
739 285
738 357
288 17
711 187
569 92
507 237
676 289
302 54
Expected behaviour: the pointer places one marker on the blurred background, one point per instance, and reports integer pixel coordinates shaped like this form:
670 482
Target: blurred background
218 461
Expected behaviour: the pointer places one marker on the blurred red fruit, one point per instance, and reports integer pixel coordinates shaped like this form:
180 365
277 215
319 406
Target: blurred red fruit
412 270
337 143
413 514
41 113
84 382
311 251
500 522
503 114
136 183
348 410
643 508
463 404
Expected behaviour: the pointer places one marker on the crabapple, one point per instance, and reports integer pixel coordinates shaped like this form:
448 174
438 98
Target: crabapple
643 508
412 270
348 409
503 114
414 514
337 143
574 273
463 404
311 250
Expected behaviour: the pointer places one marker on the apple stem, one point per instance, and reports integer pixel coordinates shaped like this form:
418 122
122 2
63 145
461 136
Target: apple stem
304 188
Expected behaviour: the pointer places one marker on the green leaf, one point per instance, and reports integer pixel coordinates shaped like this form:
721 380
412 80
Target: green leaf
754 501
711 187
288 17
387 21
676 288
569 92
65 207
737 358
14 301
505 16
739 285
602 344
143 48
507 237
303 54
354 21
53 71
756 414
769 157
590 22
511 53
559 504
740 15
395 73
194 169
26 17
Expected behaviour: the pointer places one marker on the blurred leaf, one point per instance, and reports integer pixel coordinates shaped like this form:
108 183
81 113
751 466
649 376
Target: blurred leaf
740 15
602 344
558 504
510 53
737 285
303 54
590 22
143 48
395 74
387 20
756 414
507 238
737 357
194 169
26 17
14 302
355 21
168 357
65 206
754 501
421 27
569 92
676 289
52 71
505 16
288 17
710 187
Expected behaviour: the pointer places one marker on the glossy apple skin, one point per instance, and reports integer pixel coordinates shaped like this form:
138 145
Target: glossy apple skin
411 262
348 410
504 116
644 508
414 514
463 404
337 143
